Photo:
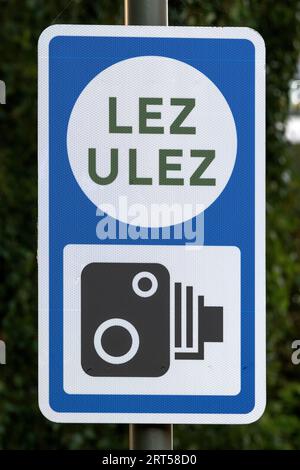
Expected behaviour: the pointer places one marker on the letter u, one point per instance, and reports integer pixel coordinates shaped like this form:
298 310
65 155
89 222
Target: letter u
113 167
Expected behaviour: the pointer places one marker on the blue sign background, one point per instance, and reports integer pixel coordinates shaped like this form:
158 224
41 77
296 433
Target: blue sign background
229 221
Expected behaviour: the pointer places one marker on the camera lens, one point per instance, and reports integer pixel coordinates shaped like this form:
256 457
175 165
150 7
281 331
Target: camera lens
109 341
144 284
116 341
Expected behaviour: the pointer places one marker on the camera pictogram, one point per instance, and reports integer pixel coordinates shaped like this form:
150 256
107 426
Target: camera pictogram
126 320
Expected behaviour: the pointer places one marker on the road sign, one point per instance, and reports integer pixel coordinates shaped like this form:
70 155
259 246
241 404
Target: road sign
151 224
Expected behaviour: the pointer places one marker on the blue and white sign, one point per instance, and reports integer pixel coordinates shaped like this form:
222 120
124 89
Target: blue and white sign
151 224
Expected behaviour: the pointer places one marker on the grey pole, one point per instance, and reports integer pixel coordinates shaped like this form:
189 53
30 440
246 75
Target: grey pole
146 12
148 436
151 436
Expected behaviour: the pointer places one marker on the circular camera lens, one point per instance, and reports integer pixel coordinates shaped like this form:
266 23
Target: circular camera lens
144 284
116 341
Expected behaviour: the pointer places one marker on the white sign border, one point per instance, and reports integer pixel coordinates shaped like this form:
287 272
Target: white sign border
43 221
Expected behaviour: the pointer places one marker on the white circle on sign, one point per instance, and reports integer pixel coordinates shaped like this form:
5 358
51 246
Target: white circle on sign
165 79
110 324
144 275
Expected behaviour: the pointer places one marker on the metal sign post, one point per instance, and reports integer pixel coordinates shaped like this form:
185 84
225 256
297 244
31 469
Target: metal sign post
148 436
146 12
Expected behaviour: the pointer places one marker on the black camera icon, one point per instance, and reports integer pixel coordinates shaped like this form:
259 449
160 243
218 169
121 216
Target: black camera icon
125 320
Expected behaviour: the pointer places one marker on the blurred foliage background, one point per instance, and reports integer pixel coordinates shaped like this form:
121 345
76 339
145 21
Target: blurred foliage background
21 424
